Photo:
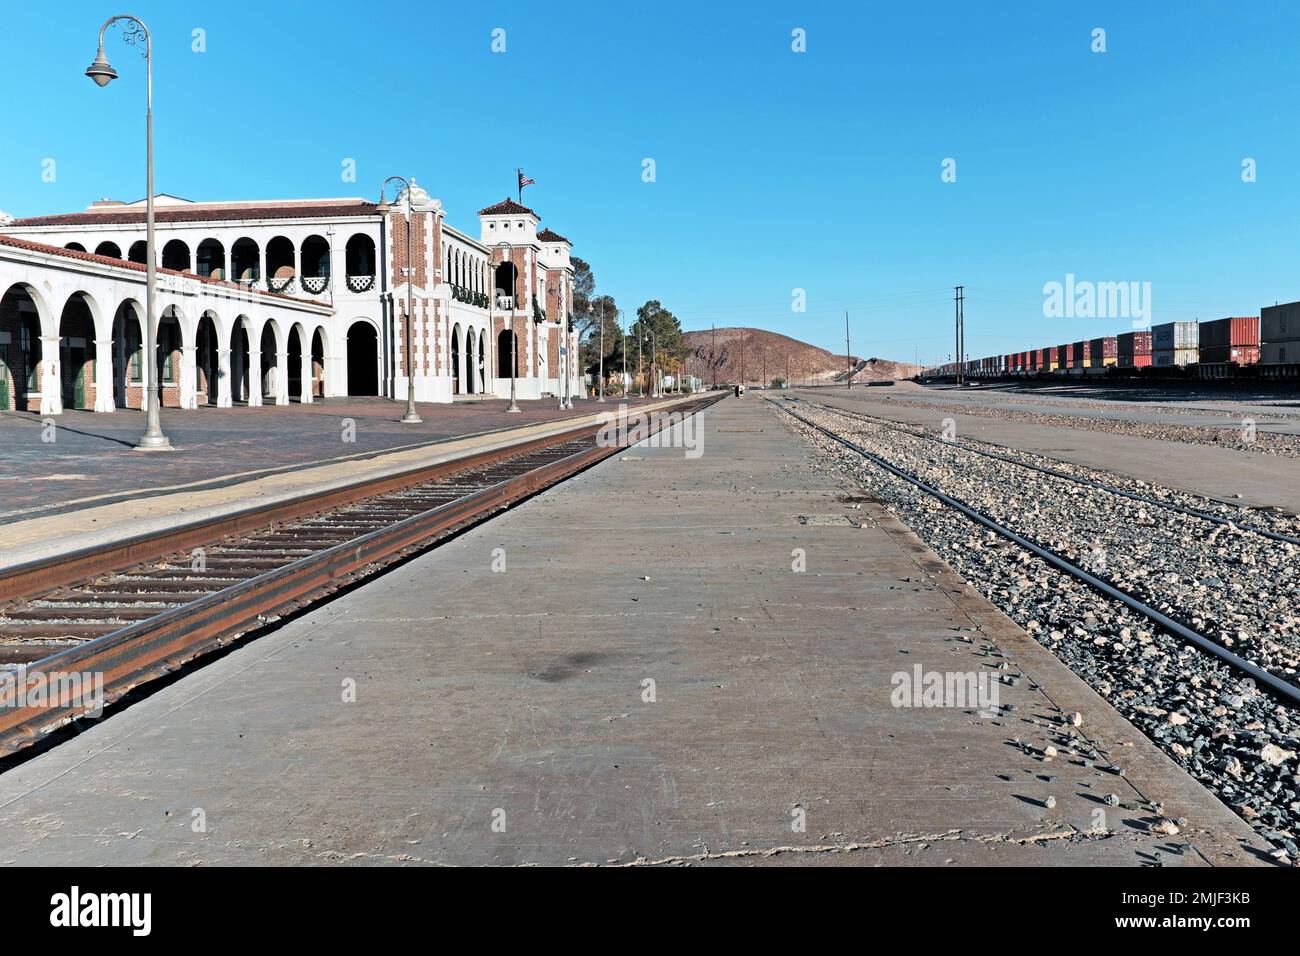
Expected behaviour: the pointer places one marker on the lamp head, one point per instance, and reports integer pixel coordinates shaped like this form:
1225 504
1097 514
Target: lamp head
383 208
100 70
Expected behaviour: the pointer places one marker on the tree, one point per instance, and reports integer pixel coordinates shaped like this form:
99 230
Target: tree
584 287
669 345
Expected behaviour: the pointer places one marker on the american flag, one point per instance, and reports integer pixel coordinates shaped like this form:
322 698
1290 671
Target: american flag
525 181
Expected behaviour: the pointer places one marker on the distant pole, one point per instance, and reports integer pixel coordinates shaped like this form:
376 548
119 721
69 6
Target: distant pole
848 350
742 356
762 381
959 319
519 181
713 353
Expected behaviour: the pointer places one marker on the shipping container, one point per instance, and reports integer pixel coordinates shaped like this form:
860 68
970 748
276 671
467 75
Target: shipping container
1162 358
1062 356
1174 336
1047 358
1130 344
1280 323
1279 353
1226 333
1103 351
1241 354
1079 355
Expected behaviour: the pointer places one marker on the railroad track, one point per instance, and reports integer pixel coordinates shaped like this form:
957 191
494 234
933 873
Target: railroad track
1056 473
1281 688
142 608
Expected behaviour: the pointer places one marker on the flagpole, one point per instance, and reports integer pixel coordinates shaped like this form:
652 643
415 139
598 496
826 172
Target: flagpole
519 181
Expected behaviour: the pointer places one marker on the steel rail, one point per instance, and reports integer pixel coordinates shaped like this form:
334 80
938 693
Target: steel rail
154 647
1284 689
1086 482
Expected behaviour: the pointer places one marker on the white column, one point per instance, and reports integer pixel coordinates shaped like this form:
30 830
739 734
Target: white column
189 378
51 376
254 376
225 272
282 377
306 376
224 396
104 375
261 271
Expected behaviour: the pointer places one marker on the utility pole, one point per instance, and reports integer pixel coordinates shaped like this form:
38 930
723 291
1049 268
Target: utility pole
960 320
713 354
762 382
742 357
848 351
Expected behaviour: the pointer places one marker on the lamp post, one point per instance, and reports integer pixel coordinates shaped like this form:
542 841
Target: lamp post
514 339
600 378
623 333
654 366
102 73
410 418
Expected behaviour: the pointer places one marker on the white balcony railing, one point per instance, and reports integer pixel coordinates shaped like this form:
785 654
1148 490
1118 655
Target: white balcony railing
284 284
361 283
315 285
506 302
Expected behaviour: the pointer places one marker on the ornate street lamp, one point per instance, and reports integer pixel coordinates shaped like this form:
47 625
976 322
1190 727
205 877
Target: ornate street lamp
410 418
135 33
600 380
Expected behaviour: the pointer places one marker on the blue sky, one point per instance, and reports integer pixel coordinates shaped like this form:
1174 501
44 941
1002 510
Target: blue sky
775 170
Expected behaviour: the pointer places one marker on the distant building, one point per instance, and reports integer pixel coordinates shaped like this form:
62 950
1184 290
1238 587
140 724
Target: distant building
283 300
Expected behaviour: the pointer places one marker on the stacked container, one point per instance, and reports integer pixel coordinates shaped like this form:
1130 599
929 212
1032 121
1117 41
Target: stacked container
1230 340
1062 357
1047 360
1079 354
1133 350
1103 352
1280 332
1174 343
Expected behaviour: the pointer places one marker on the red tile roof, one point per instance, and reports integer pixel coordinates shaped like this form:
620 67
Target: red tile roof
507 207
550 235
206 214
18 242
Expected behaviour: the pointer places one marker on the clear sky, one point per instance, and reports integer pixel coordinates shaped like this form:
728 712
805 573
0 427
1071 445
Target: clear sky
775 170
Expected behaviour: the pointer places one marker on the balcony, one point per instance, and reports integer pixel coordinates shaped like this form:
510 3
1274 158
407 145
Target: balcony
361 283
505 303
315 285
468 296
282 285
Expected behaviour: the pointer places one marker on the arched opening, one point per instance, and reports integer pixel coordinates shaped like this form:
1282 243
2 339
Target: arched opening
75 247
128 355
471 372
139 252
279 264
210 259
206 367
110 249
294 371
239 361
363 359
20 351
505 353
270 371
77 353
169 358
318 363
315 254
360 255
176 255
504 285
455 360
245 261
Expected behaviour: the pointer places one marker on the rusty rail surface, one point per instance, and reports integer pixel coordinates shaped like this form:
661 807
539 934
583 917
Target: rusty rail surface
160 644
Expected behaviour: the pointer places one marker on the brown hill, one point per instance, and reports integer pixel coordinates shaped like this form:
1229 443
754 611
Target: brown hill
770 354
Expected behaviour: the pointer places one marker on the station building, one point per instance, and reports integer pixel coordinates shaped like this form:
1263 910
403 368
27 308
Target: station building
263 302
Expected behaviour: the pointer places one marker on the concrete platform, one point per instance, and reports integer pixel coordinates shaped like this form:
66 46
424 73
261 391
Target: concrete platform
520 697
61 528
1265 481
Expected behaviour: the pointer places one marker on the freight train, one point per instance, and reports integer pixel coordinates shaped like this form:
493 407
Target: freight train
1245 347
